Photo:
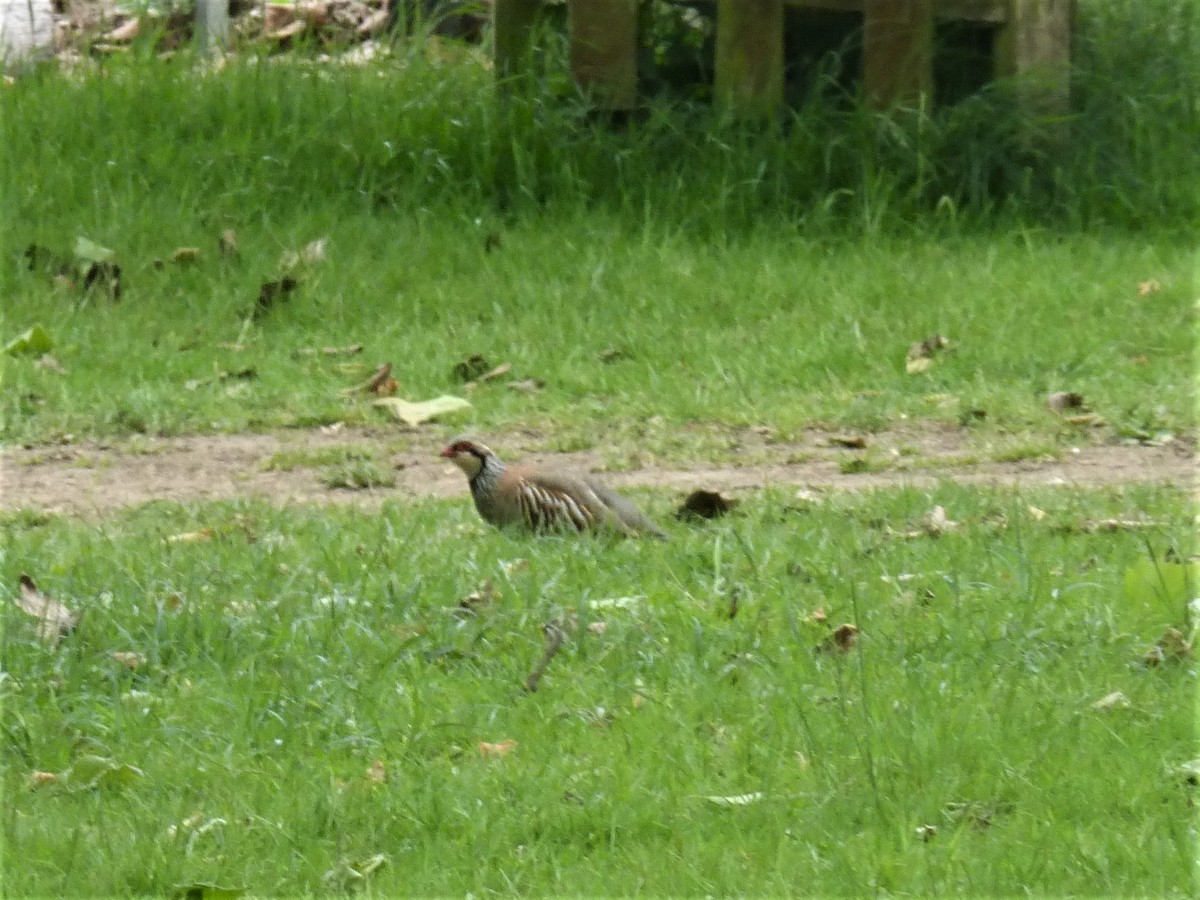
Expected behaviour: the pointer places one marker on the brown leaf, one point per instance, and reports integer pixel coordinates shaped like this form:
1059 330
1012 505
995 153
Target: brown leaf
348 350
103 275
128 658
54 619
471 368
500 370
476 600
48 363
1061 401
1146 288
555 633
380 383
191 537
1171 647
273 292
185 255
1095 526
936 522
704 504
841 639
377 772
500 748
928 347
227 242
817 615
849 441
38 779
1109 702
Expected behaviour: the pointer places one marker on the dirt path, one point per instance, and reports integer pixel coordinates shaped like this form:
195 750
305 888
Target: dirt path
91 479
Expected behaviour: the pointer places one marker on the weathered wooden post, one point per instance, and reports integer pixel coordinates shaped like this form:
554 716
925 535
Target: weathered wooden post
513 23
1035 41
603 50
212 24
897 51
749 64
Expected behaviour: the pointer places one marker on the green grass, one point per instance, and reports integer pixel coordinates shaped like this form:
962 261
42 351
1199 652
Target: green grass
749 275
768 328
320 457
297 649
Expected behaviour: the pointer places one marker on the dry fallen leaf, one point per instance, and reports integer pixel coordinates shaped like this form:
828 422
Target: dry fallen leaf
816 616
1171 647
555 633
48 363
128 658
500 748
1146 288
502 369
191 537
1115 700
1061 401
471 368
841 639
704 504
476 600
849 441
377 772
37 779
937 522
273 292
54 619
411 413
381 383
736 799
920 353
512 567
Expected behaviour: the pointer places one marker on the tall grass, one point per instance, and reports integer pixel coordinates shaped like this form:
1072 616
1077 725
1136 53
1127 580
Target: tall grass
419 133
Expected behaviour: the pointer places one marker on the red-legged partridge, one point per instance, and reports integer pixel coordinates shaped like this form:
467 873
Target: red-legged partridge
543 499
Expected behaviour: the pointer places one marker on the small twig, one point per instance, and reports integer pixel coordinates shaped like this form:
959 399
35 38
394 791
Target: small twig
555 635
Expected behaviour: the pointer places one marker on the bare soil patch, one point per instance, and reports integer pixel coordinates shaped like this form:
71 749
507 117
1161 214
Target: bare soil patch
92 479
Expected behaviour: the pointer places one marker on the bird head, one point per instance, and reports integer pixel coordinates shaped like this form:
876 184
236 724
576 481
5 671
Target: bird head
469 455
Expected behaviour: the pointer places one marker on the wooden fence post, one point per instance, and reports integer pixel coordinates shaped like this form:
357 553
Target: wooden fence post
749 65
513 24
897 51
603 50
212 23
1035 41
